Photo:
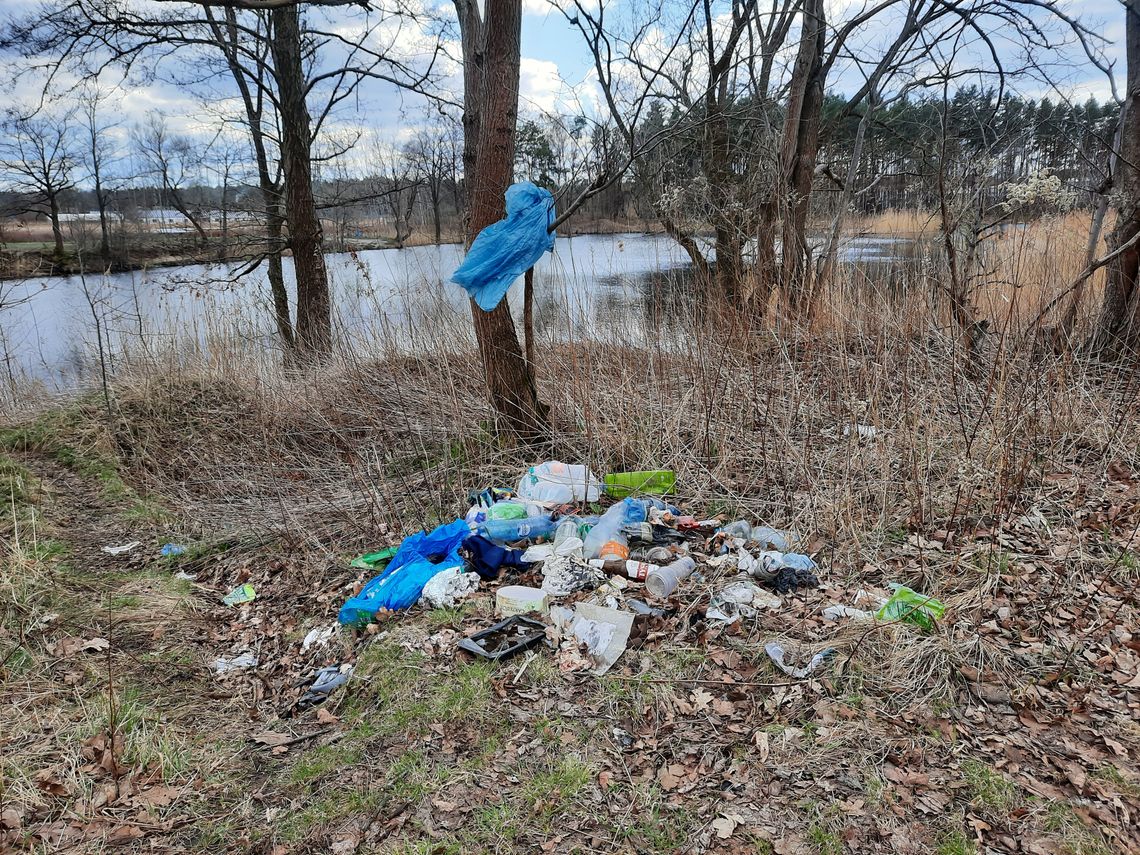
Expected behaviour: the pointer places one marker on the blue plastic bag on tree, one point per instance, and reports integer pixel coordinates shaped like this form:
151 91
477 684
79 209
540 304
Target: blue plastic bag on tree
419 557
505 250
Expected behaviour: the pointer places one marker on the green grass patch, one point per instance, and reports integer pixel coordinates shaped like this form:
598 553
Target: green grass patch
395 694
19 489
449 617
1073 836
70 436
989 790
555 789
1112 776
654 825
353 790
954 842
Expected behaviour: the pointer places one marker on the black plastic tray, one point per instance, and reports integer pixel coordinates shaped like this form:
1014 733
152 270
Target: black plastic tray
505 639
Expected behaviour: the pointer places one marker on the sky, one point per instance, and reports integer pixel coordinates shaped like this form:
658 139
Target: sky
556 73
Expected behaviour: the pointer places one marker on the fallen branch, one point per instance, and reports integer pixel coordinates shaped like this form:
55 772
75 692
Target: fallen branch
667 680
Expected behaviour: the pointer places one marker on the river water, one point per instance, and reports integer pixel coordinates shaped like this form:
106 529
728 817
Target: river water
603 287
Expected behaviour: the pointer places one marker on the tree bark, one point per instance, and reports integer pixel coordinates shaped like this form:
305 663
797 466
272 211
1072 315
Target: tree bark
473 34
528 315
314 309
56 228
1118 329
100 193
434 190
510 380
801 144
687 243
104 223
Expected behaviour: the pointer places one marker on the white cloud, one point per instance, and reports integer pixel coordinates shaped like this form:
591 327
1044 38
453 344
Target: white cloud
540 86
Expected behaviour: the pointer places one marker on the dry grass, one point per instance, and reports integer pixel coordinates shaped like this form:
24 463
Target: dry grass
391 435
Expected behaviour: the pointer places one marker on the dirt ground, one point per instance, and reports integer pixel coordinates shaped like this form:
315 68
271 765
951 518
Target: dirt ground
1013 728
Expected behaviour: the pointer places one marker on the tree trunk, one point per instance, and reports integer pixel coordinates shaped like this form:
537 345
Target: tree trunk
181 207
717 161
729 261
274 226
831 251
1118 330
510 380
473 34
314 310
56 228
528 315
104 223
687 243
228 38
801 143
435 191
764 266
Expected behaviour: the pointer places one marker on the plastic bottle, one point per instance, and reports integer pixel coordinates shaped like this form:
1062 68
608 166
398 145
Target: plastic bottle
636 570
664 581
508 531
771 538
619 484
740 528
567 528
605 540
652 554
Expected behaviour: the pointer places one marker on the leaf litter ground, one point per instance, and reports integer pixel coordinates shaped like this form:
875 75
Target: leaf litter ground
1011 729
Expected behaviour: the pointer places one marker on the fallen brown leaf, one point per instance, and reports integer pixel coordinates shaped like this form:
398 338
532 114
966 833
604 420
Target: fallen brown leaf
724 826
271 738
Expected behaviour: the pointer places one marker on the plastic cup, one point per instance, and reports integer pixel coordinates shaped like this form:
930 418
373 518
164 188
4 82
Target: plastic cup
663 582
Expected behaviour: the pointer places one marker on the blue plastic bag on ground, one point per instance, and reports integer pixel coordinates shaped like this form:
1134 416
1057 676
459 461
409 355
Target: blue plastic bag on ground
419 557
505 250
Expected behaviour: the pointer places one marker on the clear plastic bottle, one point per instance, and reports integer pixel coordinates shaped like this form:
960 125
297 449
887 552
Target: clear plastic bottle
508 531
771 538
740 528
605 539
567 528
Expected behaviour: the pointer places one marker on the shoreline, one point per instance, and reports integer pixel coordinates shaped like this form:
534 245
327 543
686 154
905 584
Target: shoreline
16 265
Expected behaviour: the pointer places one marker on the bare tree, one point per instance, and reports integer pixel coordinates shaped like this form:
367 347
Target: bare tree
756 128
250 72
225 158
37 157
398 186
176 163
433 153
290 90
98 158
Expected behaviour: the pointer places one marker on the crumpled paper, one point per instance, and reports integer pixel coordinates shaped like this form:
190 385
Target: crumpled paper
564 570
602 632
447 587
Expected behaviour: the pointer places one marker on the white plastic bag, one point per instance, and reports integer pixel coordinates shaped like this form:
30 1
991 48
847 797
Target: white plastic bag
559 483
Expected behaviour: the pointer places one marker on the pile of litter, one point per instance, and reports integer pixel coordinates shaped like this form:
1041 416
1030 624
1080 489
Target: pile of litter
588 566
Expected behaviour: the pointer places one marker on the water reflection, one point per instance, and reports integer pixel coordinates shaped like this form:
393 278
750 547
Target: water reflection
621 288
